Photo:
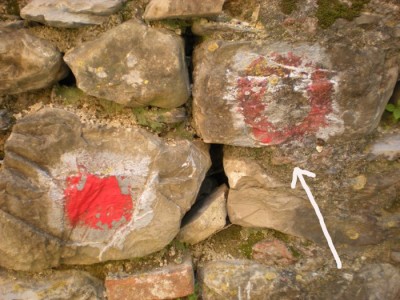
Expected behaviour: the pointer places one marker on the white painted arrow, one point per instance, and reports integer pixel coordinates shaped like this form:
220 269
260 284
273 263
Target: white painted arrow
298 173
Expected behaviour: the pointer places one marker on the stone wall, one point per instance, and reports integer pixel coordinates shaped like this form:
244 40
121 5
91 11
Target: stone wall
148 148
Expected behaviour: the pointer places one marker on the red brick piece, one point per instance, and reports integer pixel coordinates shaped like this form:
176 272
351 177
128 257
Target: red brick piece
170 282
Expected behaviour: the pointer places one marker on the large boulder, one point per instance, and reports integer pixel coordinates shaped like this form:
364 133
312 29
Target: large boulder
27 62
165 9
356 187
133 65
70 13
251 93
73 285
84 195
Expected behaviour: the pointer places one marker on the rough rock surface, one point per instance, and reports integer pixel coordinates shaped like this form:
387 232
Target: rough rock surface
359 203
27 62
170 282
70 13
237 279
270 252
257 199
253 94
208 217
164 9
73 285
145 67
105 193
375 281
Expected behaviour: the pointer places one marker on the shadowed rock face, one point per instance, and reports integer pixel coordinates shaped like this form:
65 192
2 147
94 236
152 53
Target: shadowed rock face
27 62
164 9
254 94
81 195
133 65
70 13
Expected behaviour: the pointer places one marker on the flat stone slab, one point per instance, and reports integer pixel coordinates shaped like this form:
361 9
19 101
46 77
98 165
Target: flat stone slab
145 67
82 195
255 94
167 9
70 13
27 62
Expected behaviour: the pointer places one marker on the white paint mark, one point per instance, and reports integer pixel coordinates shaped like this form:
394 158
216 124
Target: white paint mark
298 173
99 72
142 216
248 290
131 60
133 78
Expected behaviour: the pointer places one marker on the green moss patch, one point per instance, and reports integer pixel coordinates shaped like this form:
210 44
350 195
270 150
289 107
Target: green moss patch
330 10
288 6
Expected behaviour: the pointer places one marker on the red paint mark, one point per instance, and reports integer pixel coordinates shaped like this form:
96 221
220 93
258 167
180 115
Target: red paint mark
251 91
288 60
99 203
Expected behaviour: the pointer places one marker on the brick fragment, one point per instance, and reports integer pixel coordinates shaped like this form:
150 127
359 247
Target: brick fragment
170 282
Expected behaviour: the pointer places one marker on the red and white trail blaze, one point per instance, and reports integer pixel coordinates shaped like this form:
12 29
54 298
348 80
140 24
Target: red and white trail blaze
259 83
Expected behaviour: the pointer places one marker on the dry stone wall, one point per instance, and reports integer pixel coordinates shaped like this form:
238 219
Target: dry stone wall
147 149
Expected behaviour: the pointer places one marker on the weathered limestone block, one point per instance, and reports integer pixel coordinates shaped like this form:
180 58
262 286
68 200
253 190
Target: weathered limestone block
133 65
355 187
257 199
105 193
237 279
25 248
164 9
170 282
206 219
375 281
387 146
70 13
254 94
27 62
73 285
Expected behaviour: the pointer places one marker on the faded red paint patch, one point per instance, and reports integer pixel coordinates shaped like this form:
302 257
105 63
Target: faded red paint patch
252 88
96 202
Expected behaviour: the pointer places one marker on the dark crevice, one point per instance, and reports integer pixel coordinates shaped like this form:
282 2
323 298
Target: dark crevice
215 177
217 168
190 42
69 80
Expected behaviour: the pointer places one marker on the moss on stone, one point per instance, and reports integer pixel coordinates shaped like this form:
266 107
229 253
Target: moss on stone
145 117
12 7
288 6
246 247
330 10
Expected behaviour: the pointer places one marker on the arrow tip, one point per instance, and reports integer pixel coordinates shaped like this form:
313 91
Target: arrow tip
297 173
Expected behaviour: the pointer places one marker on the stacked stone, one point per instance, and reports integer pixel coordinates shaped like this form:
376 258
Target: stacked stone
272 86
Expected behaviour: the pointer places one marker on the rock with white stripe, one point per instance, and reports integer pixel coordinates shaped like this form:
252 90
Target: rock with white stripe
100 194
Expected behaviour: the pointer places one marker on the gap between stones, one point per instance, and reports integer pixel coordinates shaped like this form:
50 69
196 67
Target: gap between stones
215 176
